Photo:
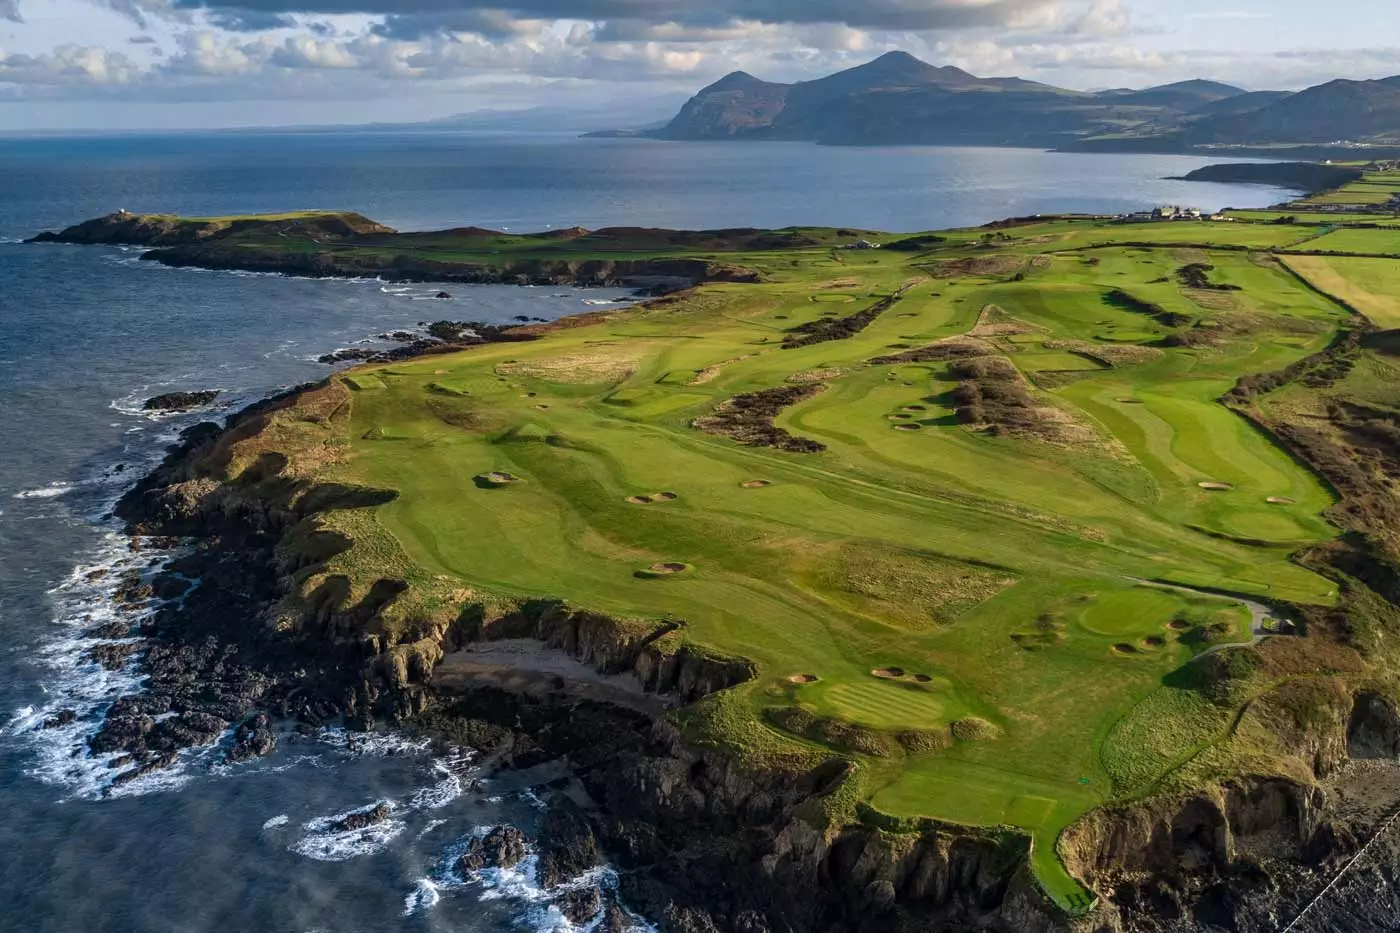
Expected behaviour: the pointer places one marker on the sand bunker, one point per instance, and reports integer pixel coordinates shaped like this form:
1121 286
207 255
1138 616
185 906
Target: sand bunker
888 673
1130 401
898 417
916 408
542 407
1124 648
756 484
908 427
1216 487
1179 625
1154 641
923 678
498 479
652 498
1282 500
802 679
669 568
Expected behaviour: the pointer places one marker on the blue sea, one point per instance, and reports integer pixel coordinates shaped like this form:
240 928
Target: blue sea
87 333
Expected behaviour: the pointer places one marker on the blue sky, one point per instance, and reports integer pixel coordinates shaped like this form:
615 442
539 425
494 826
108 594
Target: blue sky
94 64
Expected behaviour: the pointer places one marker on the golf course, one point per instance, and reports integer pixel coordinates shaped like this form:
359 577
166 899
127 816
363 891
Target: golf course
969 504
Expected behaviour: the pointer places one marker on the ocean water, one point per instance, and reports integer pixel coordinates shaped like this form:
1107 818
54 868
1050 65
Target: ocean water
87 333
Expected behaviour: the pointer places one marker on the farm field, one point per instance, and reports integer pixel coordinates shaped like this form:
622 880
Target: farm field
1372 286
969 509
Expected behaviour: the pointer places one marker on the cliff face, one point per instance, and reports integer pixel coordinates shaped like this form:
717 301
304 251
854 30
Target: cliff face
714 842
663 273
127 229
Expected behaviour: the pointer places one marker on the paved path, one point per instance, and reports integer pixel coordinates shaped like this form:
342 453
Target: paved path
1264 621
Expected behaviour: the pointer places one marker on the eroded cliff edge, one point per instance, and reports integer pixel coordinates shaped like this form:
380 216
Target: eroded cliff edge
710 838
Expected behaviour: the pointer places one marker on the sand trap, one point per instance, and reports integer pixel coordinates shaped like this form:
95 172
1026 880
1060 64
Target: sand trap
923 678
898 417
1282 500
802 679
529 395
639 500
664 497
916 408
1177 625
542 407
669 568
1216 487
888 673
439 372
908 427
1154 641
498 479
1130 401
1125 649
756 484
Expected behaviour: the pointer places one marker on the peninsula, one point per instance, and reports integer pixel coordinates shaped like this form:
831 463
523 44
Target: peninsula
1039 576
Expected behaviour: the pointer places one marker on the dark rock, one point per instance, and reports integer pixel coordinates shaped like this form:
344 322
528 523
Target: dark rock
581 905
62 718
180 401
170 586
568 846
443 296
112 656
110 630
254 739
364 819
502 847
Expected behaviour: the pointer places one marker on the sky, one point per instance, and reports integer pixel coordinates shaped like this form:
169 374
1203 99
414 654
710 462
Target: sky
135 64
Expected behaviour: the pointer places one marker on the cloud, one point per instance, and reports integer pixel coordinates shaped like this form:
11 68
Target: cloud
235 20
68 65
9 9
416 18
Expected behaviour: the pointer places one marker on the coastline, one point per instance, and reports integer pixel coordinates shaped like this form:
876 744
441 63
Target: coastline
403 695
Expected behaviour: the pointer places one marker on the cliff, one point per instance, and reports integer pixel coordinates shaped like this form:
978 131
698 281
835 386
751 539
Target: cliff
327 245
1308 177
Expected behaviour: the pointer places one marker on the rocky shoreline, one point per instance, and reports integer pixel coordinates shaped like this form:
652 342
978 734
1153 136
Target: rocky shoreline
705 842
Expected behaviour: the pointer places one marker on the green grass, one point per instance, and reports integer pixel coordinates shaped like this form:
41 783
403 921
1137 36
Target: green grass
1371 286
995 572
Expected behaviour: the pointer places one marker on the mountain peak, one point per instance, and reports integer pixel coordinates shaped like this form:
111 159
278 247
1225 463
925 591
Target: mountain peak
735 81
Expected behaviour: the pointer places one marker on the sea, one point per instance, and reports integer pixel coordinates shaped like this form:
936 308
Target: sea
88 333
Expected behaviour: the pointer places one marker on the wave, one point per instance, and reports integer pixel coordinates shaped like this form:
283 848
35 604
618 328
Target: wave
78 690
280 819
325 841
536 906
51 491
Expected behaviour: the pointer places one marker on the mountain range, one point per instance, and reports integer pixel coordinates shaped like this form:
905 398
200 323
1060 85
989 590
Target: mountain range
899 100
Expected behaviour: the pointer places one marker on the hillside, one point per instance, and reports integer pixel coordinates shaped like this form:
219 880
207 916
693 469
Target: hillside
899 100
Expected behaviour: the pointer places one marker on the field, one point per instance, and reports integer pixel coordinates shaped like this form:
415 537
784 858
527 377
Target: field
969 508
1371 286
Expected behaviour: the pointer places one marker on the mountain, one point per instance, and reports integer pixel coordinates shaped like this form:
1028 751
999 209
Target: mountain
1358 111
899 100
1184 95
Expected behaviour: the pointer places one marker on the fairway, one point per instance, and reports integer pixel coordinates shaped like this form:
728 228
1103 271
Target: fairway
930 501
